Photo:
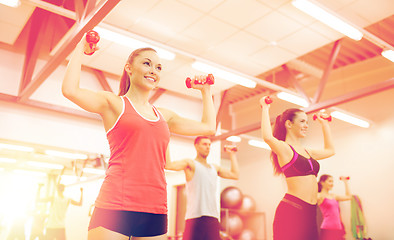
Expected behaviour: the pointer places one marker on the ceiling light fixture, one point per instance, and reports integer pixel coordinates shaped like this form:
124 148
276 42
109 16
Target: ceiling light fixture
124 40
259 144
94 171
293 99
217 72
45 165
7 160
234 139
350 119
16 147
330 19
30 173
11 3
66 154
389 54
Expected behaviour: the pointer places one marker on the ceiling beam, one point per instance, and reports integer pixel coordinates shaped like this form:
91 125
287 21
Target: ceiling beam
327 71
52 8
79 9
351 96
295 83
49 107
88 8
382 86
102 79
96 16
37 33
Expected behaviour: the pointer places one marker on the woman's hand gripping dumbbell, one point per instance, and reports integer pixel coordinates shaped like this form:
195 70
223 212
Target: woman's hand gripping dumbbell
208 80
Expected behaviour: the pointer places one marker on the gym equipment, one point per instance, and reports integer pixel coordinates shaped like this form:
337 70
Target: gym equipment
329 118
209 79
92 37
231 147
231 223
248 205
268 100
225 236
231 197
344 178
247 234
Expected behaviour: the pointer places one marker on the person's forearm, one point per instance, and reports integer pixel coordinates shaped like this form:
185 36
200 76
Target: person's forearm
73 71
266 129
234 165
347 189
328 142
208 115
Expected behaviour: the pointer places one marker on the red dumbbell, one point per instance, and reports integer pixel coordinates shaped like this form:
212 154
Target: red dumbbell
209 79
268 100
231 147
92 37
344 178
329 118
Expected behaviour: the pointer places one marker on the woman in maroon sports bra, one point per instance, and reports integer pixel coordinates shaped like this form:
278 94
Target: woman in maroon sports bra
132 202
295 216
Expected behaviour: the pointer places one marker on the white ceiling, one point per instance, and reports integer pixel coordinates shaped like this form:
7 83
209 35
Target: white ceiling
247 36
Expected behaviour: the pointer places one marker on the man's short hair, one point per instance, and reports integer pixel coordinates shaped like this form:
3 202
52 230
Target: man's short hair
198 139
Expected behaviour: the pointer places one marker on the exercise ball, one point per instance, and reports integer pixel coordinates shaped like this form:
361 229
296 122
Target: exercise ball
247 234
231 223
248 205
225 236
231 197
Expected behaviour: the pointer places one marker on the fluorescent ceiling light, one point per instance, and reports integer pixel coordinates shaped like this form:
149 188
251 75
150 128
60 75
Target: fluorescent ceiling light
11 3
66 154
30 173
350 119
94 171
224 74
131 42
7 160
233 139
293 99
259 144
68 179
389 54
16 147
328 18
45 165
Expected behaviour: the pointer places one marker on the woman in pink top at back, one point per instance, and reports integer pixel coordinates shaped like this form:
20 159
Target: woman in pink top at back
332 227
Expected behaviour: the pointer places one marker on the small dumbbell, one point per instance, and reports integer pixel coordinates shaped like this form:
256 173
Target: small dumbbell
329 118
344 178
268 100
92 37
209 79
231 147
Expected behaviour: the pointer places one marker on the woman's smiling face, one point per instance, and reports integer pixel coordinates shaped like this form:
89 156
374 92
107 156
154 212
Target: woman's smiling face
145 70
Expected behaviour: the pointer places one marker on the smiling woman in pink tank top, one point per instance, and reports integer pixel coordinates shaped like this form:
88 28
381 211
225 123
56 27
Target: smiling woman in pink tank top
132 201
332 227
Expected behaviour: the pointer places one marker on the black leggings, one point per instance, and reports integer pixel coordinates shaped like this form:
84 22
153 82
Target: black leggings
295 219
202 228
129 223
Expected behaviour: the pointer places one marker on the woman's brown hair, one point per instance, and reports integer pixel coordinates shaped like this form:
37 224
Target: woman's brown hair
280 132
125 79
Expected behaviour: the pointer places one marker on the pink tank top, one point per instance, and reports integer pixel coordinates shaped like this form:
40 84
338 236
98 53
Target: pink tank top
135 179
331 214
